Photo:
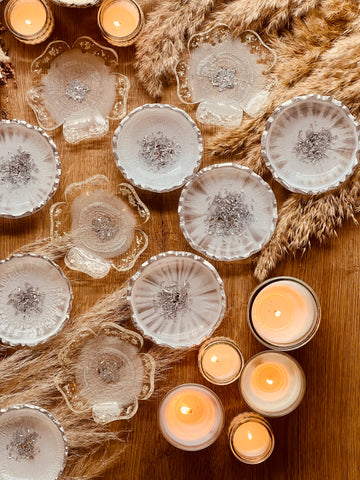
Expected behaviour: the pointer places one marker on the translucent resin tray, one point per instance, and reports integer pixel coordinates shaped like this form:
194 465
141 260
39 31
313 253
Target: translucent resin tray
157 147
77 87
76 3
227 212
225 76
30 168
33 445
311 144
35 299
177 299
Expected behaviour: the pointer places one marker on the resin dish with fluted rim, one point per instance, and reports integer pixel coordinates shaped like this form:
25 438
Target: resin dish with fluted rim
227 212
311 144
225 76
157 147
35 299
177 299
33 445
30 169
77 87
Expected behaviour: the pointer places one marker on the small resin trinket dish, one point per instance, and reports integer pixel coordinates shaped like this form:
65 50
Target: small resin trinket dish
225 76
35 299
177 299
104 373
102 226
157 147
77 87
227 212
311 144
30 169
33 445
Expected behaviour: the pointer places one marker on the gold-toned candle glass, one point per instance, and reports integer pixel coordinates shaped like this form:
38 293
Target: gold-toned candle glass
30 21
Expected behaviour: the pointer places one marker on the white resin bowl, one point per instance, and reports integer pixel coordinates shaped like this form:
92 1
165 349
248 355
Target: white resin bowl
311 144
33 445
30 168
227 212
177 299
157 147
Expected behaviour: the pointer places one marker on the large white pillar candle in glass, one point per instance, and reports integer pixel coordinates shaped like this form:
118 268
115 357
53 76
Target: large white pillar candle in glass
284 313
251 438
191 417
272 383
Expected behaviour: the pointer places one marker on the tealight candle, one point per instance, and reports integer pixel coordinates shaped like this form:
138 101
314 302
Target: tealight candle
284 313
272 383
120 21
191 417
251 438
220 361
30 21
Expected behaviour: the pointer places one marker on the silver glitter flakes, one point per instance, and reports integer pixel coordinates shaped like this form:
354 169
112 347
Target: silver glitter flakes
314 146
158 151
23 445
76 90
26 301
104 227
223 79
109 370
173 299
19 169
228 215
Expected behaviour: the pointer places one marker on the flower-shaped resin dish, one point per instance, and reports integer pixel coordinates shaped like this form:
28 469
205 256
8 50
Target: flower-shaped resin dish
311 144
225 76
102 226
33 445
76 87
157 147
35 299
177 299
30 168
104 373
227 212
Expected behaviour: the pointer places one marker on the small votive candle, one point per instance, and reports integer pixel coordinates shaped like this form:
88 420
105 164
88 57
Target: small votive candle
284 313
272 383
191 417
220 361
120 21
30 21
251 438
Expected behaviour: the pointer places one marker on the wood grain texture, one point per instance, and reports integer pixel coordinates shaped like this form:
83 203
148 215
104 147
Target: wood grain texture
320 439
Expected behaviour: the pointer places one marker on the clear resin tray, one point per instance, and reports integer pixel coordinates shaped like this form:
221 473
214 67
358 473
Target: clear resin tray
30 169
311 144
225 76
177 299
35 299
33 445
77 87
157 147
227 212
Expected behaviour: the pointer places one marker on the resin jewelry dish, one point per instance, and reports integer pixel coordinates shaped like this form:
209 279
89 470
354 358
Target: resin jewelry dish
177 299
227 212
77 87
32 444
157 147
225 76
35 299
311 144
30 169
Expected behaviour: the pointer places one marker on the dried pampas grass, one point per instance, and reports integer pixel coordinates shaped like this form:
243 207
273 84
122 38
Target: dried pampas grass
6 69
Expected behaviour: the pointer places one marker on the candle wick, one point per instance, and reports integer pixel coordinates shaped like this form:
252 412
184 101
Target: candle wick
278 313
185 410
214 359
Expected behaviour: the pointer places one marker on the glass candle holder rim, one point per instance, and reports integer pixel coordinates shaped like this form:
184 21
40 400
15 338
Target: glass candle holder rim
35 35
214 340
241 419
108 36
303 340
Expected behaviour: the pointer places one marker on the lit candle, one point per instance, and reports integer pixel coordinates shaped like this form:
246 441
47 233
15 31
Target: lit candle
251 438
284 313
220 361
30 21
272 383
120 21
191 417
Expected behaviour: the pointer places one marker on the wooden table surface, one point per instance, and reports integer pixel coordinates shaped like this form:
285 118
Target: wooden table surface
320 439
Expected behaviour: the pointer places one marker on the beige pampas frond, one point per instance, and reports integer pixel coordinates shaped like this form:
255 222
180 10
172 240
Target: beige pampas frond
51 247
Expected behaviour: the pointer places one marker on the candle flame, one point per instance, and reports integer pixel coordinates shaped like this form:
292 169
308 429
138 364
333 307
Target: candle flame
28 22
185 410
116 23
278 313
250 435
269 381
214 359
